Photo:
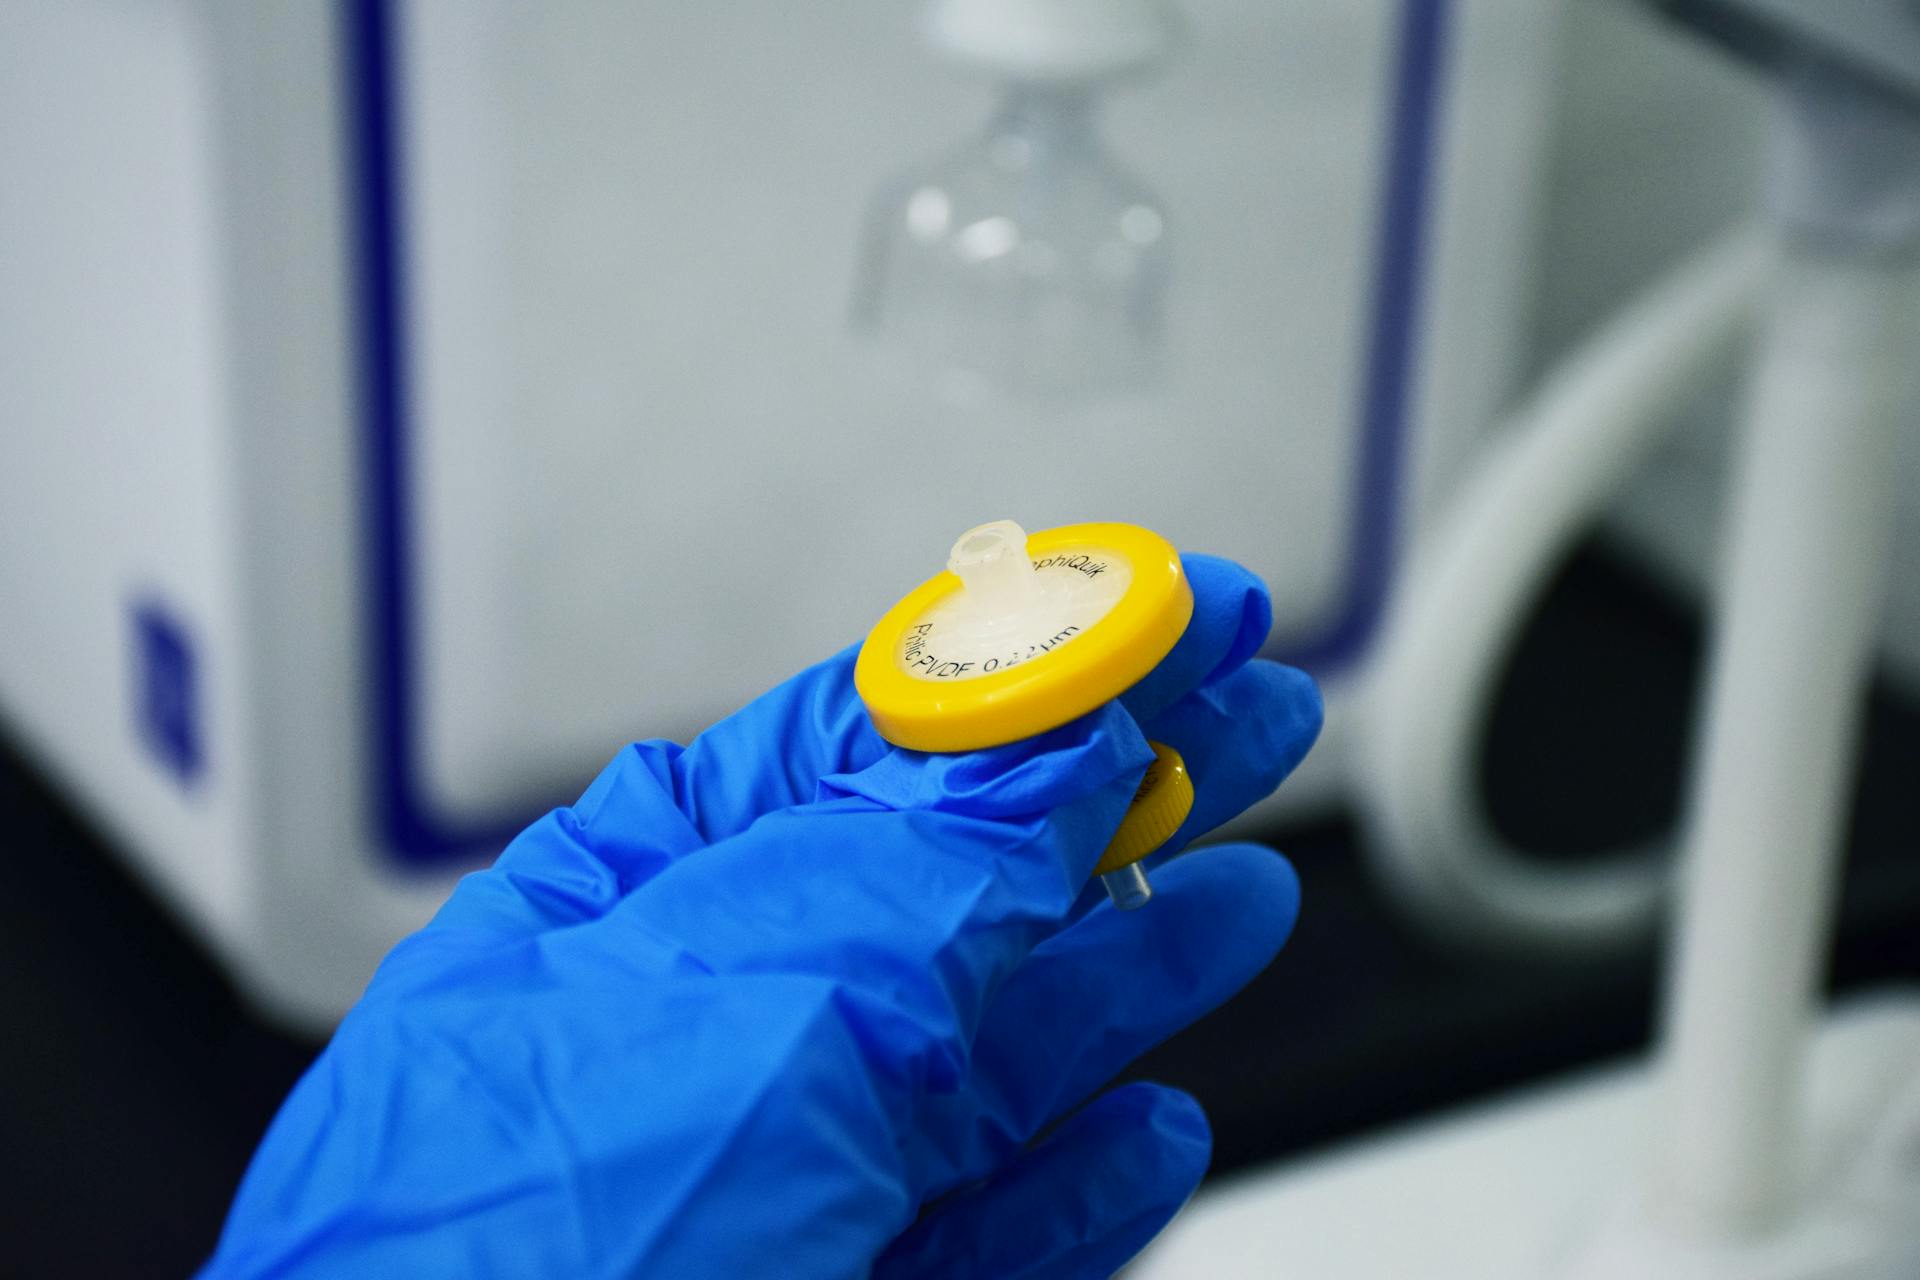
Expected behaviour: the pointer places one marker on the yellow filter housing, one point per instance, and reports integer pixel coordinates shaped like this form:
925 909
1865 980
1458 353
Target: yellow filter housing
1162 803
1012 641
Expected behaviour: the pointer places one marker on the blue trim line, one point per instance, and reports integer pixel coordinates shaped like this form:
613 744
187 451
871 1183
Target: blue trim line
1391 372
410 828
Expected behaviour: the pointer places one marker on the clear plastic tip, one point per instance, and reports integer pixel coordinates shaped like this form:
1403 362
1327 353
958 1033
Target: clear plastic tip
1128 887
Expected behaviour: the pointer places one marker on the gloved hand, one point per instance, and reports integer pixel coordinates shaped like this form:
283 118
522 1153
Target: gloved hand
791 1002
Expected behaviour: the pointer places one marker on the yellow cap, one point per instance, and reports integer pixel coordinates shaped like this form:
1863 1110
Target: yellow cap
1162 803
1048 685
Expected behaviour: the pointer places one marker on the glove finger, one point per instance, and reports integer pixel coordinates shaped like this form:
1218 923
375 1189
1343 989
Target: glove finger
1240 737
1095 996
914 885
1232 614
1080 1204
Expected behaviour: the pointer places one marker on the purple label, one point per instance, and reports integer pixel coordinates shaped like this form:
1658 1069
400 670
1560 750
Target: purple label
166 691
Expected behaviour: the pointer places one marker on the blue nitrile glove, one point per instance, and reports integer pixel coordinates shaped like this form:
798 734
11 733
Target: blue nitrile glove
790 1002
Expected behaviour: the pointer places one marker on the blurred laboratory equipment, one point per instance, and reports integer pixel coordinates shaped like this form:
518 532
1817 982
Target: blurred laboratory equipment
1810 538
1776 1143
1027 259
361 360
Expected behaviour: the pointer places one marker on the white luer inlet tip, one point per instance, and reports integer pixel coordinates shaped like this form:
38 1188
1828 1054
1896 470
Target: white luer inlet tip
992 564
1052 39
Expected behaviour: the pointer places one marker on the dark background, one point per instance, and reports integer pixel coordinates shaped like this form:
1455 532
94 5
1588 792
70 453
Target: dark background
133 1084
